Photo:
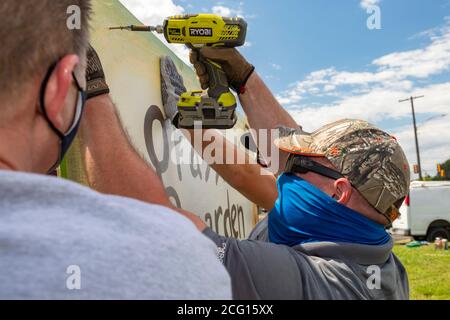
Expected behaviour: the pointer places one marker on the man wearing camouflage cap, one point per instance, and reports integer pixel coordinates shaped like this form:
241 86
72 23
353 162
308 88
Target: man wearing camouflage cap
369 158
338 188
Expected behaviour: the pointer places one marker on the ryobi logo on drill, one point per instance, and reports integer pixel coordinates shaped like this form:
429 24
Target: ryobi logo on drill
200 32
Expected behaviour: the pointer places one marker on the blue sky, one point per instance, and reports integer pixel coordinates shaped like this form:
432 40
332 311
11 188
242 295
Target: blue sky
309 35
323 63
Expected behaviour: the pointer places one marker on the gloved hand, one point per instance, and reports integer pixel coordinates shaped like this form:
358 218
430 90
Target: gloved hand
237 69
95 77
172 86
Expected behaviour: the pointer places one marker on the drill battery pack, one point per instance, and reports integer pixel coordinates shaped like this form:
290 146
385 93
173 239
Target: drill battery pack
197 111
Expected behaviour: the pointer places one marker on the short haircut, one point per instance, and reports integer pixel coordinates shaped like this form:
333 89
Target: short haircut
34 35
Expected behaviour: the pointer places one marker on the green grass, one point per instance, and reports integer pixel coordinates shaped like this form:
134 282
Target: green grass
428 272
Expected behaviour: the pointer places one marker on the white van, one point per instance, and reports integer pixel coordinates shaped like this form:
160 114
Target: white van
426 211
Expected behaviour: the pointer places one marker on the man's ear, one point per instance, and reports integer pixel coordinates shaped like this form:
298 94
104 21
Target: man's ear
57 89
343 190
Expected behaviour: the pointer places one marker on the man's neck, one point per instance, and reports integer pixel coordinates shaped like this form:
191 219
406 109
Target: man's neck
12 157
16 152
372 215
5 165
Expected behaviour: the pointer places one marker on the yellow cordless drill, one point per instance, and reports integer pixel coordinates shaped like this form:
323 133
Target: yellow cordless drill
218 109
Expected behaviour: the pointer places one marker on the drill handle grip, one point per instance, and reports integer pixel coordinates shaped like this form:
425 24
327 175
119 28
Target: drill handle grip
218 81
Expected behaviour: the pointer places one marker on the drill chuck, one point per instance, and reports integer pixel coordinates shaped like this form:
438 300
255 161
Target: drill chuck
157 29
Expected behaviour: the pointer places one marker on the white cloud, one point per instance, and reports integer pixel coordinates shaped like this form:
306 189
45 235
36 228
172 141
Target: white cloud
276 66
367 3
311 84
271 77
374 95
153 12
380 105
420 63
433 142
225 11
396 70
375 106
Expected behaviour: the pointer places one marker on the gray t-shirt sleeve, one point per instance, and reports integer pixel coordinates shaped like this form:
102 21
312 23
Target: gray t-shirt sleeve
261 231
259 269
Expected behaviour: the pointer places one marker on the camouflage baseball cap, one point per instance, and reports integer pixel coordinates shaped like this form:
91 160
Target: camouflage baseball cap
371 159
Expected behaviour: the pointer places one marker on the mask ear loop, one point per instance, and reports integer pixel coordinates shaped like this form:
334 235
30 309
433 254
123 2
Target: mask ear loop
301 164
81 99
290 164
44 112
42 100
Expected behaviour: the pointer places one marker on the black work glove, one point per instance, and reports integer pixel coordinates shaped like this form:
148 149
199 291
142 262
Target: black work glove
95 77
236 67
172 86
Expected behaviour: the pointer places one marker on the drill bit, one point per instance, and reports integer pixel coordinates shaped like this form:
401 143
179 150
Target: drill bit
158 29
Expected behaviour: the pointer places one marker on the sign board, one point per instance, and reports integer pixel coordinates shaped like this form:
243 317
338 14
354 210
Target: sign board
131 63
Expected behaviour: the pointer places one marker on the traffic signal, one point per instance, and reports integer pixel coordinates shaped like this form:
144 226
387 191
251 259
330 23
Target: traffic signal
416 169
440 171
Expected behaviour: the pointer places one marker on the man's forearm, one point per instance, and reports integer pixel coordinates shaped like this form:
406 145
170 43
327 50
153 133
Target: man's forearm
237 168
264 111
113 166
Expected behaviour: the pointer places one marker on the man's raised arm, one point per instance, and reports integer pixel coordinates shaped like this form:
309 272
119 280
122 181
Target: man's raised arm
263 110
112 164
232 163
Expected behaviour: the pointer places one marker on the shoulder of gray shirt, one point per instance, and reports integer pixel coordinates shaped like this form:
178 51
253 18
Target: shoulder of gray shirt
326 270
156 253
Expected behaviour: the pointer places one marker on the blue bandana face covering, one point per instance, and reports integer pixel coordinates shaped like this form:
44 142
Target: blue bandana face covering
304 213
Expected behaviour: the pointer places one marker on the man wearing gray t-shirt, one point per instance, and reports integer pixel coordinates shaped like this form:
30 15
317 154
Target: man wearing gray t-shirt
60 240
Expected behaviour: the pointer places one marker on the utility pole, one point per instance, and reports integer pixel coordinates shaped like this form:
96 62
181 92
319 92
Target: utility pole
415 131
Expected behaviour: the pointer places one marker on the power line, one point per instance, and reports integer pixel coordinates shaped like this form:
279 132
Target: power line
443 115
